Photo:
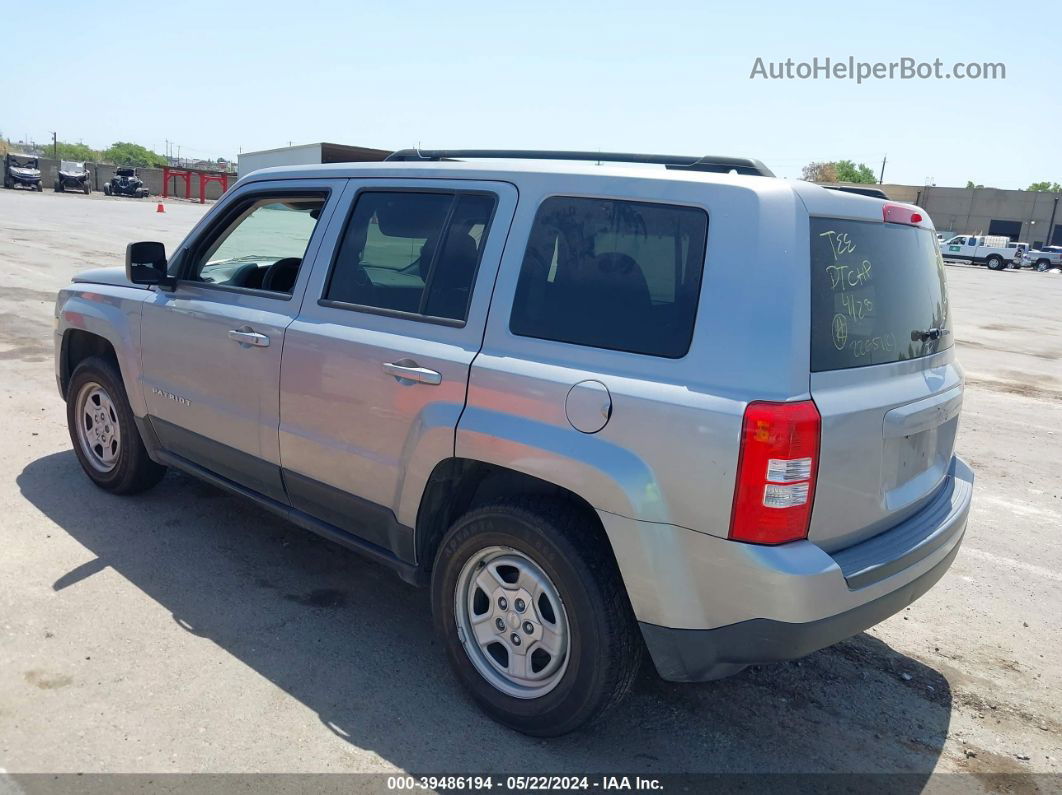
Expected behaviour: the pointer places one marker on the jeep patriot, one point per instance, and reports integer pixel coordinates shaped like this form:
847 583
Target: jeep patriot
602 405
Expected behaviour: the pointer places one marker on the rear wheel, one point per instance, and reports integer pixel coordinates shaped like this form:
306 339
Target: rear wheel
1042 265
103 431
533 615
994 263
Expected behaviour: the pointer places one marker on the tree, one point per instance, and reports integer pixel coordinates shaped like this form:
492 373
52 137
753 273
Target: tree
76 152
969 184
122 153
838 171
1047 187
819 172
847 171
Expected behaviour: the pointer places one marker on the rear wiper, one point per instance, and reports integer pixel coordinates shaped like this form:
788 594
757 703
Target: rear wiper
929 334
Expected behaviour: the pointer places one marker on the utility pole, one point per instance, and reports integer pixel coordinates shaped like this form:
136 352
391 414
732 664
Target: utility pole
55 148
881 179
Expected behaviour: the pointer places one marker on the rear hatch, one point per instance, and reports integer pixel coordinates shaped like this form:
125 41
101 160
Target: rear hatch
883 375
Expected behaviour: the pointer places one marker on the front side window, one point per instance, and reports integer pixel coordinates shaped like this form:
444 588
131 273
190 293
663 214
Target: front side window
262 247
412 252
621 275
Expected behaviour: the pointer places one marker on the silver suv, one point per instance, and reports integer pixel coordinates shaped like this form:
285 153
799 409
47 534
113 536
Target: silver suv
678 407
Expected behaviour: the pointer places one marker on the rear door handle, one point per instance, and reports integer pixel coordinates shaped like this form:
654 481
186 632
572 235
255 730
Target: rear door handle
408 371
247 336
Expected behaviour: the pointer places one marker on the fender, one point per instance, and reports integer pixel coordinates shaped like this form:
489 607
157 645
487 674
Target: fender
609 477
112 312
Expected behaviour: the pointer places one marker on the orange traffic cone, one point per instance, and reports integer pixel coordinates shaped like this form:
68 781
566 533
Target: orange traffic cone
160 208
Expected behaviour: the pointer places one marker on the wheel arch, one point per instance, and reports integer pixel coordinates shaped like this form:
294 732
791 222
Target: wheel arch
459 485
79 345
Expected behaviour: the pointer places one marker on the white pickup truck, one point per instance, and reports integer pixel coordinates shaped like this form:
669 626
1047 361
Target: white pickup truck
995 251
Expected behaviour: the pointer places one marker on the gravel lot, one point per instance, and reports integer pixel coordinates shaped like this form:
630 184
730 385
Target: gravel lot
185 630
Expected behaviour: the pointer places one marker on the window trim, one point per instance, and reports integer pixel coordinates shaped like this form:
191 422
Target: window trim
191 252
456 194
628 200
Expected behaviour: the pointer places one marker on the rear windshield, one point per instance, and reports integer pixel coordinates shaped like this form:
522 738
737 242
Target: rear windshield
878 294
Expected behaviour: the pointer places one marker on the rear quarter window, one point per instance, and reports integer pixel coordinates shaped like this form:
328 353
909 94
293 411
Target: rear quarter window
878 294
606 273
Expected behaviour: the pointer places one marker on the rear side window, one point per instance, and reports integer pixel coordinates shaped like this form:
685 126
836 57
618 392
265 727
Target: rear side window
878 294
414 253
612 274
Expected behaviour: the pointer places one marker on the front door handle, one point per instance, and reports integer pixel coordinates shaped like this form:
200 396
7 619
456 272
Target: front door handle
248 336
406 370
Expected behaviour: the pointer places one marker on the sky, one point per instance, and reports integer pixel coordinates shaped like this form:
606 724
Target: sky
662 77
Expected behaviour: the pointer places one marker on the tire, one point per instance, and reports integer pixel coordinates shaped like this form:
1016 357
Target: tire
1042 265
596 647
115 459
107 189
86 188
994 263
40 187
58 187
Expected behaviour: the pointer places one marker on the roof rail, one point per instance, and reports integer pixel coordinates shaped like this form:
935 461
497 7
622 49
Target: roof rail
719 165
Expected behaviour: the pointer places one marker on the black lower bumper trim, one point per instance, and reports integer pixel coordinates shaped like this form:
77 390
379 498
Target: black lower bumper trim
699 655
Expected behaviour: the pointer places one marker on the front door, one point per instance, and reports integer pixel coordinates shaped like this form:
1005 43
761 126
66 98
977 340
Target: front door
212 347
376 365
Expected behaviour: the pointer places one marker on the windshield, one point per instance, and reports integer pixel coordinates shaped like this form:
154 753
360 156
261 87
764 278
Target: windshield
24 162
878 294
70 165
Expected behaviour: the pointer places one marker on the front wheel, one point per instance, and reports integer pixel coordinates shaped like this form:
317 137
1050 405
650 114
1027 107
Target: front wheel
994 263
533 615
103 431
107 190
1043 265
40 187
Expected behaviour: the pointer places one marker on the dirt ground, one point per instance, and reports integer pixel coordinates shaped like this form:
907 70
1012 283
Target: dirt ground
185 630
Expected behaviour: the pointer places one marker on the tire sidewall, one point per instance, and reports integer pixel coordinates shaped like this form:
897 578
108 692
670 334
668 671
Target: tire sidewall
570 702
98 371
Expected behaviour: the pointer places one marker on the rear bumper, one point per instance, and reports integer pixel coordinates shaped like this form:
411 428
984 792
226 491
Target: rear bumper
708 606
699 655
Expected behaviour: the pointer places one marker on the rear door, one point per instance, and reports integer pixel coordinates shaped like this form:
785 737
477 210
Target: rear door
376 365
884 375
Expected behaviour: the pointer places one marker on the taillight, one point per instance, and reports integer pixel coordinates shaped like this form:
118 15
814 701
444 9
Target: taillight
776 472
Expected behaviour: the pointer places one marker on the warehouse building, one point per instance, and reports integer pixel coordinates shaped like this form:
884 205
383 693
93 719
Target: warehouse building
1027 216
307 154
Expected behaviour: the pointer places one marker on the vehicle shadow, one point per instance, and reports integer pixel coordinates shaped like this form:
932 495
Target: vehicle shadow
355 645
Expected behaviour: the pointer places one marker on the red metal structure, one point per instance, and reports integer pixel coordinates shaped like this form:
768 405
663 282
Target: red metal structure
205 178
181 174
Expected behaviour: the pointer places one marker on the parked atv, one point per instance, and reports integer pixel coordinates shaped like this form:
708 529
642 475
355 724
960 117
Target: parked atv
22 171
126 182
72 176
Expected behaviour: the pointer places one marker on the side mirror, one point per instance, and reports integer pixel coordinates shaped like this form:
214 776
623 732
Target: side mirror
145 263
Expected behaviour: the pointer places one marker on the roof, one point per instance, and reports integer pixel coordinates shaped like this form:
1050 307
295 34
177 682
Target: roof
816 199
